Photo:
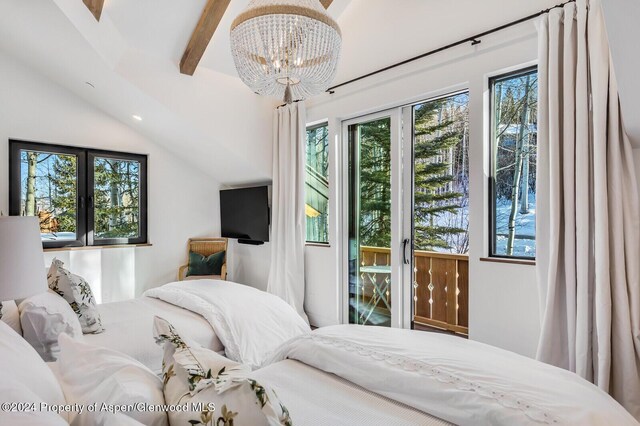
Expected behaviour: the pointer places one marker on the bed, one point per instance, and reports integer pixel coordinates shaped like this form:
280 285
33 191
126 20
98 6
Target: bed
352 375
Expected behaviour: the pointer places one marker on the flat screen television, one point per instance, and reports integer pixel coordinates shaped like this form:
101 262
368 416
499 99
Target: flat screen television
244 214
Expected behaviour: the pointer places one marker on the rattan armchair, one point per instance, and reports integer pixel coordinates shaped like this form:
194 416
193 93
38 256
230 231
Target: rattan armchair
205 247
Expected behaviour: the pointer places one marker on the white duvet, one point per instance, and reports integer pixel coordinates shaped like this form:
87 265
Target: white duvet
461 381
251 324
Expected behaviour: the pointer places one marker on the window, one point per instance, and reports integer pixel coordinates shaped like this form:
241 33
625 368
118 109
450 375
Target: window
81 197
317 184
514 108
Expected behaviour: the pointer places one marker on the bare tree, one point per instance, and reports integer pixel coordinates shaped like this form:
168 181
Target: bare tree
517 175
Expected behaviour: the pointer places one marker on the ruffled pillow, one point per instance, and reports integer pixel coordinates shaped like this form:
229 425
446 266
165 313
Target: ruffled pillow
44 317
75 290
222 389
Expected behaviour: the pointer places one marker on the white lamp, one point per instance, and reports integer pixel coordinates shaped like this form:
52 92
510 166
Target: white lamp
21 258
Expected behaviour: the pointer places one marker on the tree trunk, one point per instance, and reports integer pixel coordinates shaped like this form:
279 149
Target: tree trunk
30 204
517 173
524 190
114 195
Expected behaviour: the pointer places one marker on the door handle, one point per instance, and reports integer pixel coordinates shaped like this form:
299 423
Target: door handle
405 258
81 202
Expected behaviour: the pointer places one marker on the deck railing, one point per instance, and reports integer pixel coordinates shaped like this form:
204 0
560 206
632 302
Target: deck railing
441 286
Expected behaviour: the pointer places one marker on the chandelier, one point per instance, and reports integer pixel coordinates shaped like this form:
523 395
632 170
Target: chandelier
286 48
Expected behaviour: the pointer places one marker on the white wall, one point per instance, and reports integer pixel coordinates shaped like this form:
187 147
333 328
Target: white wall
503 307
183 202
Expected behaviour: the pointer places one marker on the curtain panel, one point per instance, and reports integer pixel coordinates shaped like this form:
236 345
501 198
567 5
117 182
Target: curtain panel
587 209
286 275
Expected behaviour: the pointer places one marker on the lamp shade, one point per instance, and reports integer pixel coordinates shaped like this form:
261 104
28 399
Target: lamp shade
22 271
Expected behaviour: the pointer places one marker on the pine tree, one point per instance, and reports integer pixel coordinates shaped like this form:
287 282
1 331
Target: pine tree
375 183
436 138
64 197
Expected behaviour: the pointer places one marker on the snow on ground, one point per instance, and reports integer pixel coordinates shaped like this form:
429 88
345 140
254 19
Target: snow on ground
525 246
525 227
58 236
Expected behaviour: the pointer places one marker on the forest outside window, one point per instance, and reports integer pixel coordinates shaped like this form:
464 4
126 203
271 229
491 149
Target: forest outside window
317 184
81 197
514 108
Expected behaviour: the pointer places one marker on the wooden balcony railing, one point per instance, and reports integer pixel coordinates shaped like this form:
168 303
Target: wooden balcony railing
440 283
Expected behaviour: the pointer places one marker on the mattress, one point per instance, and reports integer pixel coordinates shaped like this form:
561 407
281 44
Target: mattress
129 329
314 397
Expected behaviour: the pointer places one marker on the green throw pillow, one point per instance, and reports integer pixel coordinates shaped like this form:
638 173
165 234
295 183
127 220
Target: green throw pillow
200 265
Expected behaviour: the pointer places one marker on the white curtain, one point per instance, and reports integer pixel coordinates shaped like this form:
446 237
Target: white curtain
588 245
286 276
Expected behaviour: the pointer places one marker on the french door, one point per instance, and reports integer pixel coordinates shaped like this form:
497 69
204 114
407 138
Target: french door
374 260
407 215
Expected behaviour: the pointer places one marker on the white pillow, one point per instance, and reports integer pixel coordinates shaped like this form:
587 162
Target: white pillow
20 363
44 317
196 375
11 315
75 290
29 412
92 374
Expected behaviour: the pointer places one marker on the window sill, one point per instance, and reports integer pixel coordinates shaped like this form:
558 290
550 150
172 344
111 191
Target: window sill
511 261
98 247
317 244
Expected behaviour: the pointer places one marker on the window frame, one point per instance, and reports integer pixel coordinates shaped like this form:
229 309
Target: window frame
492 243
84 190
311 127
142 224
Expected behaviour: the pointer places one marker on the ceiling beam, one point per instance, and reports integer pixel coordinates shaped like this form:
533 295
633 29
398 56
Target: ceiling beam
95 6
209 20
326 3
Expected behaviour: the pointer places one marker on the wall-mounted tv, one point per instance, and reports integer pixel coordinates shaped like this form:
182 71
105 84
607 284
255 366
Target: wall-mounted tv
244 214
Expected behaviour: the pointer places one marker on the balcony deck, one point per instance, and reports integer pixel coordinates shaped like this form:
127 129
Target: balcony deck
440 282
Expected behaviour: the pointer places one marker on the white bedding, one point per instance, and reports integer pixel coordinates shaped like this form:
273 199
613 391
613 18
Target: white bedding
129 329
316 398
461 381
251 324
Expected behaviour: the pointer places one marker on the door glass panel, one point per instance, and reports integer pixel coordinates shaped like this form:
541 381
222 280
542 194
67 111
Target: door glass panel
441 212
49 191
370 222
117 198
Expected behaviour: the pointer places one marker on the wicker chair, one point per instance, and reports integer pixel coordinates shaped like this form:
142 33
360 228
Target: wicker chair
205 247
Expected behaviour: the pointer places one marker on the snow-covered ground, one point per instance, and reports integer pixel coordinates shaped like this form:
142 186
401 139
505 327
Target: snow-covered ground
525 246
58 236
525 227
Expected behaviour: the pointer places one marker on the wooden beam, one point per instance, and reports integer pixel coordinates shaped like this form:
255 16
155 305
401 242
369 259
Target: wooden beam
209 20
326 3
95 6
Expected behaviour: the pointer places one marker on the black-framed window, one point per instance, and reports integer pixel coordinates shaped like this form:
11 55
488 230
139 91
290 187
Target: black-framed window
514 111
317 184
82 197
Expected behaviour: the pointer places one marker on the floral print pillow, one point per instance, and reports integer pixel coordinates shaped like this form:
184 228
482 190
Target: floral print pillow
218 391
76 291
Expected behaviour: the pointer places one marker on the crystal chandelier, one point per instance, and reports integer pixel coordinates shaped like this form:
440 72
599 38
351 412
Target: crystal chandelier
286 48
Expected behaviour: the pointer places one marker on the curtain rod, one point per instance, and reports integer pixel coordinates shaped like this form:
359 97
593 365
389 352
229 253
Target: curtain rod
473 40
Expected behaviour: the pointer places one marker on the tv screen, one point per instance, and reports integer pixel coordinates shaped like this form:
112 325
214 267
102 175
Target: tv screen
244 213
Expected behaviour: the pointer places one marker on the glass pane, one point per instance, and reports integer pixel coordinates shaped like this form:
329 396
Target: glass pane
515 111
441 212
441 174
116 198
49 191
317 185
370 223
